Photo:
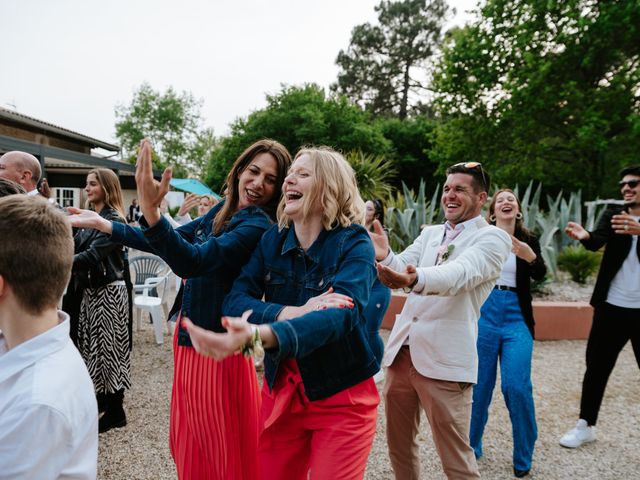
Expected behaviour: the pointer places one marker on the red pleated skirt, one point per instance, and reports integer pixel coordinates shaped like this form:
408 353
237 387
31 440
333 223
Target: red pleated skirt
215 416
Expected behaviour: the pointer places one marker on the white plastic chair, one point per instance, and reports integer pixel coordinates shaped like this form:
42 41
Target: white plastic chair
150 291
154 304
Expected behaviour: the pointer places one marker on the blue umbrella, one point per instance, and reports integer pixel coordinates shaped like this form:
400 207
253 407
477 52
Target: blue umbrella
192 185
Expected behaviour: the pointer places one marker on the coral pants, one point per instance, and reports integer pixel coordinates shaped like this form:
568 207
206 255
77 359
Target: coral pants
214 423
323 439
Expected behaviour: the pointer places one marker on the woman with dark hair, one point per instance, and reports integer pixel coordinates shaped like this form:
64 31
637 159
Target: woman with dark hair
102 315
214 421
380 294
505 333
314 271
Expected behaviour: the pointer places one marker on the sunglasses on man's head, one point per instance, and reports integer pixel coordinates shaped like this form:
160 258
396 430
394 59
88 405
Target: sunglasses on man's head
472 166
631 183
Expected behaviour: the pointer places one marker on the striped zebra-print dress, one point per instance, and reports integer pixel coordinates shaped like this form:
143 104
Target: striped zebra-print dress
103 337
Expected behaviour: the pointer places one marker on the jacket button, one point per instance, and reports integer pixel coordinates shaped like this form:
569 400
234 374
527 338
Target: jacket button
321 283
414 319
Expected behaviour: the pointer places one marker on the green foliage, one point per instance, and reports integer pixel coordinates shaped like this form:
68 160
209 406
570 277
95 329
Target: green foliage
406 219
545 90
384 68
295 117
410 140
373 173
172 121
579 262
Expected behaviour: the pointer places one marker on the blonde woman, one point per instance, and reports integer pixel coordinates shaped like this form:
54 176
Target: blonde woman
315 270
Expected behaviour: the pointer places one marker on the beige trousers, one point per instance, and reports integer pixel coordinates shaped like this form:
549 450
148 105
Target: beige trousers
448 408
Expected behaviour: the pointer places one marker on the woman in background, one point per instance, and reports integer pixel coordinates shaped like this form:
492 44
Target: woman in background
505 333
380 294
103 316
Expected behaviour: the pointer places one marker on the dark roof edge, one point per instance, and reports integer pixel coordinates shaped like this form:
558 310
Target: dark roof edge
49 127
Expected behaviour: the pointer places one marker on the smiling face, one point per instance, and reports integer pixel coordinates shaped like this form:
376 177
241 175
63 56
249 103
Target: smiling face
204 206
459 200
298 189
95 192
630 195
505 206
256 184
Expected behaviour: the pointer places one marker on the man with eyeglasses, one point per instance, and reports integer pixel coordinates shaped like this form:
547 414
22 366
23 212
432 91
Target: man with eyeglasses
615 300
431 354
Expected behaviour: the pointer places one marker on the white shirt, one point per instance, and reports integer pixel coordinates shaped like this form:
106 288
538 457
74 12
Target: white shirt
48 410
508 275
624 290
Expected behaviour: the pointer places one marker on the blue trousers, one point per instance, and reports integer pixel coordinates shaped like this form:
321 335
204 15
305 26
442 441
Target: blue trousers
503 335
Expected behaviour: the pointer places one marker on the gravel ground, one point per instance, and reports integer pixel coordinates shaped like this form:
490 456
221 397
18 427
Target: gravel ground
140 450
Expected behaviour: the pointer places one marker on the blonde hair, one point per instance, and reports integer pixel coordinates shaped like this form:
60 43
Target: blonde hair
30 224
335 189
110 184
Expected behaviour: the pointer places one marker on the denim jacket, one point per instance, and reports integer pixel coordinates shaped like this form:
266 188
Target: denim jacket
210 262
330 346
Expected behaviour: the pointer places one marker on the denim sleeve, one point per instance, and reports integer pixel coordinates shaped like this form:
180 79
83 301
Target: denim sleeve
188 260
355 274
129 236
248 290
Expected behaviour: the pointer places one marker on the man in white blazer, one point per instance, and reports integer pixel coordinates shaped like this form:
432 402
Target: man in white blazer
431 354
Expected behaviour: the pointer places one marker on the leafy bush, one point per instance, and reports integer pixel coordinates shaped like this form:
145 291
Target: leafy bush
579 262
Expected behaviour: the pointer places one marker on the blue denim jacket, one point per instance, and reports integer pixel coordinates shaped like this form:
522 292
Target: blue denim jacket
331 346
210 262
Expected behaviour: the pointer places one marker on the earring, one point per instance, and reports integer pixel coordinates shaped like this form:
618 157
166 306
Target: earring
492 218
519 216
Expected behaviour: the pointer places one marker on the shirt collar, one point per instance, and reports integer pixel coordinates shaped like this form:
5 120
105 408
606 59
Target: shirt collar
27 353
291 243
467 224
33 192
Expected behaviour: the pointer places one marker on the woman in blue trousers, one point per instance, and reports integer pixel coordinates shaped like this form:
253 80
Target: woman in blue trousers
505 333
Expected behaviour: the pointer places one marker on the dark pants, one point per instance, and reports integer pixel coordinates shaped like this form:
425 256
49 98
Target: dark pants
612 328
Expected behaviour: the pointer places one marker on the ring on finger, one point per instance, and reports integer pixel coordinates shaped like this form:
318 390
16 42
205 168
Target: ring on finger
626 228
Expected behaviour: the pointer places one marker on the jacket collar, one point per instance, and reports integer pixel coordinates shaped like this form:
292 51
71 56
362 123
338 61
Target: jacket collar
291 243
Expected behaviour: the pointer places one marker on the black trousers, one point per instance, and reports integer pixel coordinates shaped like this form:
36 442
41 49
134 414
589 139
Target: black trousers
612 328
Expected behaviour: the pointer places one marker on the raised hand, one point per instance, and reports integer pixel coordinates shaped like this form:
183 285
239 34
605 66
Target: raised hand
80 218
150 191
625 224
576 231
191 201
380 241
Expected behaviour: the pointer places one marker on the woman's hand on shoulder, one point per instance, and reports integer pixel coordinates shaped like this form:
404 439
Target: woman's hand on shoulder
80 218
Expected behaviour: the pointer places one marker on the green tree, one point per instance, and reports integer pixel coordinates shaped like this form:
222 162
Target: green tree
545 90
384 69
295 117
171 120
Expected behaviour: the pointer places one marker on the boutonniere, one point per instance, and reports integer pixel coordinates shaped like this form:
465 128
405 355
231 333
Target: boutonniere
445 252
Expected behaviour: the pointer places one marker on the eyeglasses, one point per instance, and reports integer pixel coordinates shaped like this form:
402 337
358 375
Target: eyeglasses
631 183
473 166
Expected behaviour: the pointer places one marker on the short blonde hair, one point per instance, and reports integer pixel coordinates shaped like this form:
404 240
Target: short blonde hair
36 251
336 189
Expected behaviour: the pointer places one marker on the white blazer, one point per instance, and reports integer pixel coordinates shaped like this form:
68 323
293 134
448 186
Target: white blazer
441 321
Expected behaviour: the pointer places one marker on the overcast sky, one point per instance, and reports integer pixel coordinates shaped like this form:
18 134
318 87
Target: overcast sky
70 62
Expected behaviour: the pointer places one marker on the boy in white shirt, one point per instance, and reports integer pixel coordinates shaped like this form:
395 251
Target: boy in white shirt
48 411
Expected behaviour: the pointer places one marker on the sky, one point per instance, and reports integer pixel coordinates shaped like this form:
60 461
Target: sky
70 62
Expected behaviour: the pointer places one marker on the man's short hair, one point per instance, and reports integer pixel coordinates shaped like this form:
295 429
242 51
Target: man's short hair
36 251
9 187
630 170
481 179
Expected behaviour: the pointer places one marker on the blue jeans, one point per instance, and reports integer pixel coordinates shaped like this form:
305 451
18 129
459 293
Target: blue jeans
503 334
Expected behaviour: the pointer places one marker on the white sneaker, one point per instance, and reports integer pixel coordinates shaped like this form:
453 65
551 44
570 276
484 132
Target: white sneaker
575 437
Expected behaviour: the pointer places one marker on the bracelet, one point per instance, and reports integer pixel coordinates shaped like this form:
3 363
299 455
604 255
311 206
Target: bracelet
254 344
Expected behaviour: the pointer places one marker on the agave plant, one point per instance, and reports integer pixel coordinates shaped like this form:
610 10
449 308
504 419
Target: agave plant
374 174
